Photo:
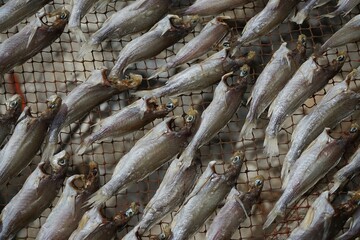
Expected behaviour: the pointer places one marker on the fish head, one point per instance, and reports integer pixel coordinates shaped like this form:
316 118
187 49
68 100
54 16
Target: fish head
339 61
60 162
257 183
126 82
92 178
237 159
168 107
191 118
53 106
61 17
301 44
13 105
191 21
220 20
165 233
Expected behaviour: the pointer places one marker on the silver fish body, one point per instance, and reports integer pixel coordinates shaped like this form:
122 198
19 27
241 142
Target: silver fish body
164 34
213 7
37 193
339 103
307 80
349 33
64 218
319 158
95 226
136 17
213 32
344 7
129 119
271 81
15 11
34 37
149 153
209 191
26 140
175 186
236 209
9 118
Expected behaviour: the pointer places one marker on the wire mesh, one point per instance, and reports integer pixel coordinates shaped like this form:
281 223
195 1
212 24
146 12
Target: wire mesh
57 70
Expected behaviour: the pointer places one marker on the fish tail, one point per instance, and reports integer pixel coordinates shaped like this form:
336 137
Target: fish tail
86 48
80 36
271 145
97 199
84 145
299 17
274 213
163 68
247 129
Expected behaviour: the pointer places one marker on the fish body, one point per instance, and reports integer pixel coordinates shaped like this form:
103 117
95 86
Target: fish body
14 11
198 76
209 191
149 153
129 119
67 213
164 34
34 37
213 7
236 209
271 81
136 17
349 33
307 80
9 118
95 226
227 99
339 103
319 158
37 193
26 140
213 32
175 186
344 7
354 229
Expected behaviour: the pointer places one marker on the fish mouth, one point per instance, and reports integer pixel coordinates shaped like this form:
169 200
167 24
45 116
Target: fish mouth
78 183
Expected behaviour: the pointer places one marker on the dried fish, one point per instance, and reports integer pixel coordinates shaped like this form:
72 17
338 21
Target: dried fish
213 32
319 158
236 209
81 100
308 79
199 76
354 229
209 191
68 211
213 7
26 140
175 186
15 11
339 103
349 33
272 79
149 153
8 120
95 226
129 119
304 11
136 17
344 7
37 193
34 37
164 34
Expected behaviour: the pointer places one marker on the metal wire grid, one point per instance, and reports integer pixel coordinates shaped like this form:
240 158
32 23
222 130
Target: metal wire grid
57 70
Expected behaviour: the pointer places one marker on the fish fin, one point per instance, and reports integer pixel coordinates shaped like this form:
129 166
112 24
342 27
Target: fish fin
271 108
101 4
274 213
299 17
36 24
143 94
242 206
247 129
337 184
86 48
285 179
163 68
97 199
48 152
79 35
329 15
271 145
83 146
187 156
285 172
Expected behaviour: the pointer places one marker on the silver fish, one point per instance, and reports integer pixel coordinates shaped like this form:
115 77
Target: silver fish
304 11
136 17
163 34
34 37
199 76
227 99
82 99
213 32
8 120
26 140
149 153
15 11
272 79
349 33
354 229
175 186
213 7
37 193
308 79
95 226
236 209
209 191
64 218
129 119
343 8
347 171
339 103
319 158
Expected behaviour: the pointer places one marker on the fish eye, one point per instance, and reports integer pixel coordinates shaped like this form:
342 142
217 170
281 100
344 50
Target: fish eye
61 162
226 44
353 130
189 118
236 159
129 213
340 58
13 104
162 236
52 105
243 73
258 182
63 16
170 106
